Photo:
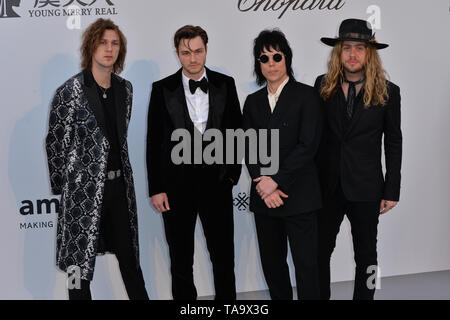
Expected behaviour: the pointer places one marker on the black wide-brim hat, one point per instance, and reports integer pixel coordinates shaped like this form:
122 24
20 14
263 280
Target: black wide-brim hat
355 30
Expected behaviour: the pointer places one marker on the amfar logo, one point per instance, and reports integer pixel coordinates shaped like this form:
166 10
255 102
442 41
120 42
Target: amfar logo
44 205
6 8
28 208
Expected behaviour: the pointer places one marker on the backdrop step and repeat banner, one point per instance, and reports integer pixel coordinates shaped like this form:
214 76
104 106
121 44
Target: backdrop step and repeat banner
39 50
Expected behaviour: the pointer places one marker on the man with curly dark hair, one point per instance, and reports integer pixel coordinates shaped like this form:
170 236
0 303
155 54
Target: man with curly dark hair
90 168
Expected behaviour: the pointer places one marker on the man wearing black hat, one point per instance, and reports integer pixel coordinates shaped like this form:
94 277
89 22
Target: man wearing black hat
360 107
195 99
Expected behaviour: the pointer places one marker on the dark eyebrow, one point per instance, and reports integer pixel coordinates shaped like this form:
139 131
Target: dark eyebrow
113 41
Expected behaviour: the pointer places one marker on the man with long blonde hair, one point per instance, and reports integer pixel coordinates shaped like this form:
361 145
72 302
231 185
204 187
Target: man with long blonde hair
360 107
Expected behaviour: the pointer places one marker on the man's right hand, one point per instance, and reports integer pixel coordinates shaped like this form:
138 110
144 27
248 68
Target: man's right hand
161 202
274 199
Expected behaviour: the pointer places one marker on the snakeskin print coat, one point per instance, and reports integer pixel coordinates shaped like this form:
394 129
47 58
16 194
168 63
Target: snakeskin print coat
77 152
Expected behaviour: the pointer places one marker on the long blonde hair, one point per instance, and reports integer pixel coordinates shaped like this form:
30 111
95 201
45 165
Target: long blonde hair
375 85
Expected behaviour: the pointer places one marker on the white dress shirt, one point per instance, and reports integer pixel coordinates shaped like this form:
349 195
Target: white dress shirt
273 97
197 103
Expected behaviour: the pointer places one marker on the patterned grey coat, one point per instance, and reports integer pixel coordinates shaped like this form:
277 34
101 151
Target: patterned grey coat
77 152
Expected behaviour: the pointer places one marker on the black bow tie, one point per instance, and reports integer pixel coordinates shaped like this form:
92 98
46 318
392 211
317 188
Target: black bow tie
202 84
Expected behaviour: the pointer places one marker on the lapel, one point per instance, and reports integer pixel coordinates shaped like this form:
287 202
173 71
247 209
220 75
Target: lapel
93 100
282 101
176 101
217 100
336 115
120 99
264 113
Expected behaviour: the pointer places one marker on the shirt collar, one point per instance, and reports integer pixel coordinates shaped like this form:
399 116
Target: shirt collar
280 88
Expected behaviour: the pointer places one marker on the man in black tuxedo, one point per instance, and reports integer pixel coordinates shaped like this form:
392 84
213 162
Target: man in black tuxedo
360 107
196 99
285 204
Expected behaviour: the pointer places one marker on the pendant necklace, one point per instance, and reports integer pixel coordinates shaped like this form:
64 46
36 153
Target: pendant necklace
104 93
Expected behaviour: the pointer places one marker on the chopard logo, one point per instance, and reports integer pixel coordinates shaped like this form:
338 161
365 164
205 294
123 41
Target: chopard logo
284 5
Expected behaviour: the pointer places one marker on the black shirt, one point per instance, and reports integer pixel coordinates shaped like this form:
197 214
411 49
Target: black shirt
109 110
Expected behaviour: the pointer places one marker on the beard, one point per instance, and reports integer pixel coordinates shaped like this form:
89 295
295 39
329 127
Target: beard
354 70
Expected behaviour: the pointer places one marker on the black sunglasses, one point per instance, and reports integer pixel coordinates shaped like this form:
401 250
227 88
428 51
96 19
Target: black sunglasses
277 57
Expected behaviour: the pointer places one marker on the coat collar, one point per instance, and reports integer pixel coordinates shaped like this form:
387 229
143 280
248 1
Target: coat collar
120 97
266 113
217 100
93 99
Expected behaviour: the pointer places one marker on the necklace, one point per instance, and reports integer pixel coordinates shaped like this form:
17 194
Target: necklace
104 91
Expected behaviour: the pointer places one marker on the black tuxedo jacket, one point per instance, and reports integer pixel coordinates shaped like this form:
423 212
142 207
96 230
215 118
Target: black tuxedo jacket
168 111
297 117
354 155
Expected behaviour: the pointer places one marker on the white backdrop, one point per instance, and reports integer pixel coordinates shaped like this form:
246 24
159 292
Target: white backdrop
39 52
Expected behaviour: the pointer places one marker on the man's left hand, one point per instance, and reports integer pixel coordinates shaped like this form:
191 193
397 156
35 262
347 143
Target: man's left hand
387 205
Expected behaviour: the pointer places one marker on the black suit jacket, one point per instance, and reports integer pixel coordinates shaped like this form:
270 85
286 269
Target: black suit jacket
354 155
167 112
297 117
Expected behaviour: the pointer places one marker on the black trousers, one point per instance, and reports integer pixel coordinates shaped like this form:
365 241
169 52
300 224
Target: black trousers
115 236
273 236
213 204
363 217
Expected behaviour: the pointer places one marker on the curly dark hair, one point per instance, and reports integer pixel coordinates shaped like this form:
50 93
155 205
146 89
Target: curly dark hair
277 40
91 40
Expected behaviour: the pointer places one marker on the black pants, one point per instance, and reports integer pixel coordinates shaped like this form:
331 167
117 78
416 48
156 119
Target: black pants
363 217
214 206
115 236
273 236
